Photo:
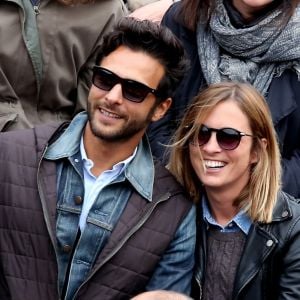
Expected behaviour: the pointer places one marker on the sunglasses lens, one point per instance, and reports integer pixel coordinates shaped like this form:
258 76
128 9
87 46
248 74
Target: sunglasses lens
228 138
103 79
204 135
134 91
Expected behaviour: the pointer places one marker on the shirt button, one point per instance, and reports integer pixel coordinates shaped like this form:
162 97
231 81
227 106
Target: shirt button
67 248
78 200
230 225
285 214
76 160
269 243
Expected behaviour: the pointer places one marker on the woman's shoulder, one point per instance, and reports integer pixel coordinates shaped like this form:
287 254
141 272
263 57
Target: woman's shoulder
287 208
285 200
285 224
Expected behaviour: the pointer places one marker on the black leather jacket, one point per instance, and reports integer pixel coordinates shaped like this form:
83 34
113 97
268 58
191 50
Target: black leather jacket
269 268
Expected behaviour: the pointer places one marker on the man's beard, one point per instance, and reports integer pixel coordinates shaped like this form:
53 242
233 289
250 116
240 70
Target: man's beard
123 134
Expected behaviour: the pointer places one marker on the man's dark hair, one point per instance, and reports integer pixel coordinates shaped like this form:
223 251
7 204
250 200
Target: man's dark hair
154 40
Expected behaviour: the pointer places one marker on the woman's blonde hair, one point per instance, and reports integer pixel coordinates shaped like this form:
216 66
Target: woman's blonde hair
258 198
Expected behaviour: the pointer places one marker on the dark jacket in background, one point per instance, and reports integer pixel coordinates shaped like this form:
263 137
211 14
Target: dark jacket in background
28 266
283 99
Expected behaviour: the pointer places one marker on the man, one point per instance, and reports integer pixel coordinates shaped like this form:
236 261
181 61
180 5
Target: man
85 212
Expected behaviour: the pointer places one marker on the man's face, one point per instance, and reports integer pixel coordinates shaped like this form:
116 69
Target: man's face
112 117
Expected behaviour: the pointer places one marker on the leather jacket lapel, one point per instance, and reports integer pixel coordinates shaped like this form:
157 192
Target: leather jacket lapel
260 244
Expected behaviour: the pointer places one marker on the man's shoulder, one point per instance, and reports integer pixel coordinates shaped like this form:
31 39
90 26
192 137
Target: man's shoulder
30 137
165 182
162 172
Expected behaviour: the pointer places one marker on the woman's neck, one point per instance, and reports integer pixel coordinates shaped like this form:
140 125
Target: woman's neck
222 206
251 14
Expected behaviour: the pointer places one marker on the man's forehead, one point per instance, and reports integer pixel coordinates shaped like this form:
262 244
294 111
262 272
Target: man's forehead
134 64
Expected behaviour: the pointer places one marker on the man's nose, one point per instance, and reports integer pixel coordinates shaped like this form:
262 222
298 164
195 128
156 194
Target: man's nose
115 95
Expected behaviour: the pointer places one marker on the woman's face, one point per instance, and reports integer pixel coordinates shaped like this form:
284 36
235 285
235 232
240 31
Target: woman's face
224 170
248 8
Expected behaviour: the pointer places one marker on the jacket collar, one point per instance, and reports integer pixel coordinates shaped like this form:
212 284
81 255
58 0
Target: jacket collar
139 172
282 210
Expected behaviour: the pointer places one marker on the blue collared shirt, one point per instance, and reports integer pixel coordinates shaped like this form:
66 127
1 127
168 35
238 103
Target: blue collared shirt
241 220
93 185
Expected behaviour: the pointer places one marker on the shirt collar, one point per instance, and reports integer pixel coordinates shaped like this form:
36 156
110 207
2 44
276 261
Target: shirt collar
139 171
68 143
241 219
118 168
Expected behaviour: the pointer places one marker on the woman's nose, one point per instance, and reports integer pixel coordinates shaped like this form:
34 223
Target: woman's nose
212 144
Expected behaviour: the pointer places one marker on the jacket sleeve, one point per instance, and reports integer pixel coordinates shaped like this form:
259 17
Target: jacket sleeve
289 283
175 269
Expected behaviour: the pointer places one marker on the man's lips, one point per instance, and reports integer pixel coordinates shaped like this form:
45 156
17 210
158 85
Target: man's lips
109 113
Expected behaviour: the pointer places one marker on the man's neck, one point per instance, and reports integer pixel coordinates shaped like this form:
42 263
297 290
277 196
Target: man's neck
105 154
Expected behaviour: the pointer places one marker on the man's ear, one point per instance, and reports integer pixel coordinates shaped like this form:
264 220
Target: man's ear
161 109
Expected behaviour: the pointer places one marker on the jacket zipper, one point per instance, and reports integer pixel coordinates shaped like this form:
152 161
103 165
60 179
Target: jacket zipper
129 234
42 197
36 9
200 287
36 6
253 275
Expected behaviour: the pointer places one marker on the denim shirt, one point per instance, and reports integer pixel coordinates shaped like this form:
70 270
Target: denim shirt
93 185
104 214
241 220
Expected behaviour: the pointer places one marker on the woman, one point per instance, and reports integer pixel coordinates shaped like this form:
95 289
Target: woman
248 41
226 155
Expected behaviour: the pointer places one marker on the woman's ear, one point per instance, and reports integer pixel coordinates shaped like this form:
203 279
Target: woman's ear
254 155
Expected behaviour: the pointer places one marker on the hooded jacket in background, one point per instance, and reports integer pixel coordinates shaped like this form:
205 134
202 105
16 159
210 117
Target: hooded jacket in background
46 58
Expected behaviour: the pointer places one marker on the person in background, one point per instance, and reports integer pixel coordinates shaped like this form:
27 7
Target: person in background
85 211
161 295
149 10
135 4
248 41
226 155
47 51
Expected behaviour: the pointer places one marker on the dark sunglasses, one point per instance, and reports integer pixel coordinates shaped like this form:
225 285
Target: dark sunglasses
227 138
132 90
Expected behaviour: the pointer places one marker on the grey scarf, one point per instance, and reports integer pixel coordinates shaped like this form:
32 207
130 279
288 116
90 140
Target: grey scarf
254 54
